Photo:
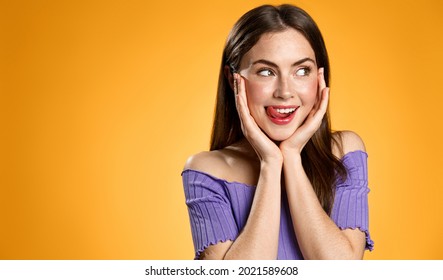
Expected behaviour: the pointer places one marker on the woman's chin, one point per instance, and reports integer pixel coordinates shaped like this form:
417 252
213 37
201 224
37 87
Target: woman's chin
279 137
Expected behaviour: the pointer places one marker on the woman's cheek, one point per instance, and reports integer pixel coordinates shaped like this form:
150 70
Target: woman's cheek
308 92
258 92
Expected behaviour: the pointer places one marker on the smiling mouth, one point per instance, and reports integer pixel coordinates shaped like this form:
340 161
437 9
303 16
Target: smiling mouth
281 115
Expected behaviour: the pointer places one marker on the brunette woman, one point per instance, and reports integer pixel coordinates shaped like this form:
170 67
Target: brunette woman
277 183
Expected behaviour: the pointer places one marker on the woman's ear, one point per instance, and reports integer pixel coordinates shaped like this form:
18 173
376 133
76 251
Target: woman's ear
229 76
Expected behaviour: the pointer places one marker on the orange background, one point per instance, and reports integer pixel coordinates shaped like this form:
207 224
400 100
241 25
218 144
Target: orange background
101 102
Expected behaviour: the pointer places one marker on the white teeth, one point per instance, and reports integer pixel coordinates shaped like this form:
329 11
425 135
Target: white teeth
286 111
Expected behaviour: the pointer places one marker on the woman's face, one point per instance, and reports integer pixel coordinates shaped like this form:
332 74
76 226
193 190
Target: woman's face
281 82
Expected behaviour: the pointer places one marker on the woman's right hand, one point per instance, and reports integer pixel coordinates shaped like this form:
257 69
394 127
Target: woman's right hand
266 149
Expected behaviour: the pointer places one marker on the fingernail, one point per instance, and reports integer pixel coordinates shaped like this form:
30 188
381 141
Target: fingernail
235 84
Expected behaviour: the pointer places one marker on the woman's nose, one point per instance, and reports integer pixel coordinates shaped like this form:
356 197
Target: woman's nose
283 90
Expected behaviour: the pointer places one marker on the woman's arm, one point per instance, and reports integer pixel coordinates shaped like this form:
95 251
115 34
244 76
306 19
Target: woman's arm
318 236
259 238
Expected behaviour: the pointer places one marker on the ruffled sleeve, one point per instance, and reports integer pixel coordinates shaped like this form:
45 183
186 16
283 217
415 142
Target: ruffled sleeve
350 209
209 209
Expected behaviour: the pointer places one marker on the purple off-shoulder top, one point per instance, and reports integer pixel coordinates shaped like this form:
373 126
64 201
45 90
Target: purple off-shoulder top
219 209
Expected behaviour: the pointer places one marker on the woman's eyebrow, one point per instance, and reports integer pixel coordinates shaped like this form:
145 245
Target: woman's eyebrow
272 64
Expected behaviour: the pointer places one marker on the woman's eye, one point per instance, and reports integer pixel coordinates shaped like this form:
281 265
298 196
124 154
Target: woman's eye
266 73
303 72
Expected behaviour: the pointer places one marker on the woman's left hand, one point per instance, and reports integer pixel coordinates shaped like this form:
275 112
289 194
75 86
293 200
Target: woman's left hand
312 123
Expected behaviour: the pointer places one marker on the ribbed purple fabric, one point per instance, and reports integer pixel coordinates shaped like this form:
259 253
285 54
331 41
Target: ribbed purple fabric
219 209
350 209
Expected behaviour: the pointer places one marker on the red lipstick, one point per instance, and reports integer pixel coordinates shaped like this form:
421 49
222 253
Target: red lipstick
281 115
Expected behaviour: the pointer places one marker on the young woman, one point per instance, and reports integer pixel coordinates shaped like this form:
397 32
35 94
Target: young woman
277 183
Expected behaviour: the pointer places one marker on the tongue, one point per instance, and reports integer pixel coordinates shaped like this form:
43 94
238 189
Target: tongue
272 112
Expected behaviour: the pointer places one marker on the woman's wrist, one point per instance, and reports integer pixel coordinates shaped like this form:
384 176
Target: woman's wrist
289 152
271 164
272 157
291 157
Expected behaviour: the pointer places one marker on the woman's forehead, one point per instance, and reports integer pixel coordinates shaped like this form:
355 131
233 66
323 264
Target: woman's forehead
286 45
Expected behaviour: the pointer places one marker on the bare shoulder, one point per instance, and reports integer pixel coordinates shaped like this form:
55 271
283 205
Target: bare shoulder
210 162
232 164
346 141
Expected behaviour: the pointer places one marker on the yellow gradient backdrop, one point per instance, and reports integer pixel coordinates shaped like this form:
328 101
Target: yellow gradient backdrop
101 102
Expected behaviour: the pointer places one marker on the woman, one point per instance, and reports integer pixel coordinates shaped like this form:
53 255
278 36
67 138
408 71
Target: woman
277 183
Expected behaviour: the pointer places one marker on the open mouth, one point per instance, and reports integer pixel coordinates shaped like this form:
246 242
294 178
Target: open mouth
281 114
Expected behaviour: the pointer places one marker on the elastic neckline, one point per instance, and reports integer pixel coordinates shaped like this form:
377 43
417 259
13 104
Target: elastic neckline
348 154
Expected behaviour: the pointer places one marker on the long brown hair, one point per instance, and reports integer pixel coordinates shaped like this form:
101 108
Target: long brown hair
321 166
